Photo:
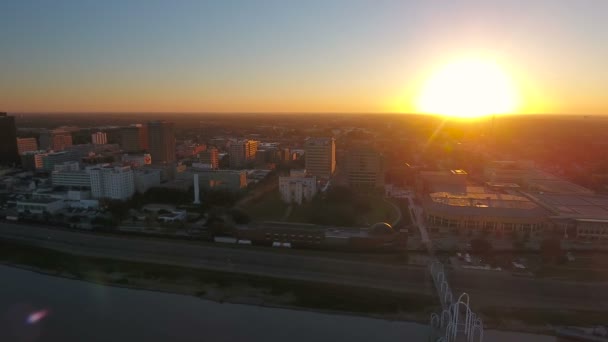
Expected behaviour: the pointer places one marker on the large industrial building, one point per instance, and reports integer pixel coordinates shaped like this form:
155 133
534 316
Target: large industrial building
516 198
578 216
480 211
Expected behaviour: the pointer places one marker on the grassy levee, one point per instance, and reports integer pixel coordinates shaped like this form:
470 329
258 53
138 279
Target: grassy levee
303 294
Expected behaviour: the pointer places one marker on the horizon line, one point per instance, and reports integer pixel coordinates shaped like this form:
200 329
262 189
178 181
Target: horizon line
280 113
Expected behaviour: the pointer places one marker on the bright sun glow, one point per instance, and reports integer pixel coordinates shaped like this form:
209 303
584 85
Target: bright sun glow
468 88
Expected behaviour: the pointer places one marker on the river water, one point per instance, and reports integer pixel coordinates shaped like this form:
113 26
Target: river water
36 307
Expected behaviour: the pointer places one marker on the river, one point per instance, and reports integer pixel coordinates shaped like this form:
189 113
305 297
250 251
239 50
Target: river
71 310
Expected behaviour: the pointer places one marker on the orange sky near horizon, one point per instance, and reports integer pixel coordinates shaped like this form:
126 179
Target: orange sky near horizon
366 57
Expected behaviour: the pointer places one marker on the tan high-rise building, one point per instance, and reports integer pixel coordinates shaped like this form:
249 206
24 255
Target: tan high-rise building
364 168
242 152
161 142
320 157
56 140
26 145
99 138
61 141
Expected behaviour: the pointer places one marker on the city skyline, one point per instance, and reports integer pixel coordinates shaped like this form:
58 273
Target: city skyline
338 56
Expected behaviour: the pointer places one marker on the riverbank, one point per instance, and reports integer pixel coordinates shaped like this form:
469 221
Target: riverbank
221 286
225 287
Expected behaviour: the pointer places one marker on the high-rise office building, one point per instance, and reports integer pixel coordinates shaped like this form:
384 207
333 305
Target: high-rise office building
161 141
143 136
112 182
33 160
320 157
242 152
210 157
8 140
49 160
56 140
26 145
134 138
99 138
364 168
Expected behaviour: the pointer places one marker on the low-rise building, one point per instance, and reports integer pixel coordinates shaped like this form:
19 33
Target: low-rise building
297 187
40 205
137 160
217 179
174 216
146 179
454 181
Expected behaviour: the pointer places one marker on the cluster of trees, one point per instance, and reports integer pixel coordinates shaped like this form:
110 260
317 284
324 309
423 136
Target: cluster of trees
338 206
210 199
550 249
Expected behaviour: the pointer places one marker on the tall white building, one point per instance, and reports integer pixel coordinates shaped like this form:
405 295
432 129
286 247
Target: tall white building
99 138
112 182
298 187
320 157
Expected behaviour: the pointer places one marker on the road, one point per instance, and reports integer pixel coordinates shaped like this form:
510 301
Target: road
239 260
486 288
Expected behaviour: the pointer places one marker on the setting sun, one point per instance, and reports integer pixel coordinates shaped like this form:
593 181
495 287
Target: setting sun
468 88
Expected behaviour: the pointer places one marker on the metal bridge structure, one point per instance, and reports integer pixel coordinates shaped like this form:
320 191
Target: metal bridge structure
457 321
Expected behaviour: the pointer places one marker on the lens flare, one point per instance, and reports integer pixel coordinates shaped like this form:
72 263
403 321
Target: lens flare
37 316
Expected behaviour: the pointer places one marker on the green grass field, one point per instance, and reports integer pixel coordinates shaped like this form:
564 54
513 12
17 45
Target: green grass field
269 207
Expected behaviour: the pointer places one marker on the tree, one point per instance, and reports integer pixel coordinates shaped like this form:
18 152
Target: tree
551 249
239 216
102 222
481 246
117 209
